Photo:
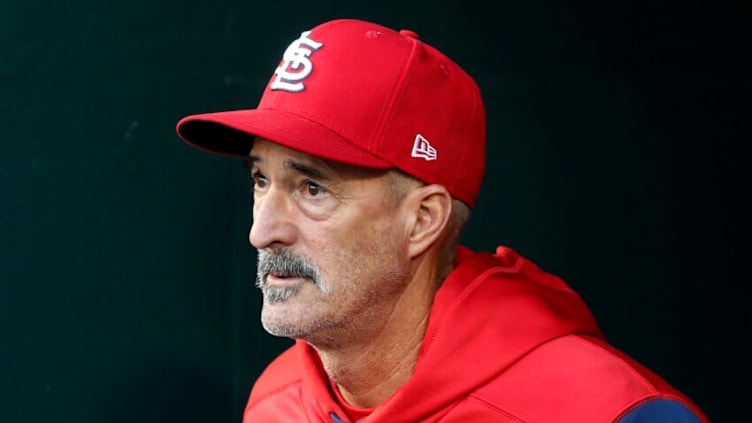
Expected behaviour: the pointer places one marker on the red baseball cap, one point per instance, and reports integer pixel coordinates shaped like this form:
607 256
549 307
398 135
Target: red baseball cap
359 93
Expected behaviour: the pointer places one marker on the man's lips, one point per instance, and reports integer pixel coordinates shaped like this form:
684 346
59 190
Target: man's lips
281 280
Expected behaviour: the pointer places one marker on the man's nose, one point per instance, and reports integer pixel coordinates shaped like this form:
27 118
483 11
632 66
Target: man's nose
273 220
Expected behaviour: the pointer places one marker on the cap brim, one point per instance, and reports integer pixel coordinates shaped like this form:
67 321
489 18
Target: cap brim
232 133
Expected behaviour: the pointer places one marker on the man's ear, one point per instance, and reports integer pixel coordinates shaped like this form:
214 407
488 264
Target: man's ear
431 206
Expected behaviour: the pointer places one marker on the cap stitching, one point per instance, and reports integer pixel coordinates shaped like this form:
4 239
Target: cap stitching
385 119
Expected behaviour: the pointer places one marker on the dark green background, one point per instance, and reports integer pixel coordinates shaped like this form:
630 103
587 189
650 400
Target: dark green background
125 273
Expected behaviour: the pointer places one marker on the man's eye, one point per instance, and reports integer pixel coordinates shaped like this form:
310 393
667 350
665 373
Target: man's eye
313 189
259 181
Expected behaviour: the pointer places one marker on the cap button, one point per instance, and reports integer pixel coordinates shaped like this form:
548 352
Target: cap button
409 34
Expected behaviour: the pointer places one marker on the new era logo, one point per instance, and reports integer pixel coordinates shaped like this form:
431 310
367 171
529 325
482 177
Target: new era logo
422 149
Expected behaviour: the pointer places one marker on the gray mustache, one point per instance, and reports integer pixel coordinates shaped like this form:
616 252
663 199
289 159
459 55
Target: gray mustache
285 263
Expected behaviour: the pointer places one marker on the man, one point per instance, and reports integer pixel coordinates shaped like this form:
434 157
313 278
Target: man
367 154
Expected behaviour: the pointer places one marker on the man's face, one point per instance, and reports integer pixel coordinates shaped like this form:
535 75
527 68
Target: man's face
332 246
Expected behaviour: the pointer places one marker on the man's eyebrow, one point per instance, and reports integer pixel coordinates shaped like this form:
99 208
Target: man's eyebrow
309 170
249 161
306 169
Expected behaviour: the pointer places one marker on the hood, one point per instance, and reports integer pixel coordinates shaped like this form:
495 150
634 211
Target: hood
490 311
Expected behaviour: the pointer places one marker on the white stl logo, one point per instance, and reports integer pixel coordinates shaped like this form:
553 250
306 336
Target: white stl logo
422 149
296 65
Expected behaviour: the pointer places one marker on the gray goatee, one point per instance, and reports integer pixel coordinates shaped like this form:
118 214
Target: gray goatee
284 263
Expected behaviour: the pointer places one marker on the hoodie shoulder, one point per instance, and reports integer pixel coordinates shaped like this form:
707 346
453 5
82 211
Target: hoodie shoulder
279 374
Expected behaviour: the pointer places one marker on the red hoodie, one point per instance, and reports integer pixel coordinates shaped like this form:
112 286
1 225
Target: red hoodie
506 342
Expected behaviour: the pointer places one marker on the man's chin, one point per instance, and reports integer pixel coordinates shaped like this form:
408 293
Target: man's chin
281 329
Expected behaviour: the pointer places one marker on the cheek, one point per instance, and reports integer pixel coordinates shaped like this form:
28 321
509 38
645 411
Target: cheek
344 248
336 250
362 248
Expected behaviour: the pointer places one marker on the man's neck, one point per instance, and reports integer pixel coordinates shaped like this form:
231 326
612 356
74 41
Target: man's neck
368 372
366 378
